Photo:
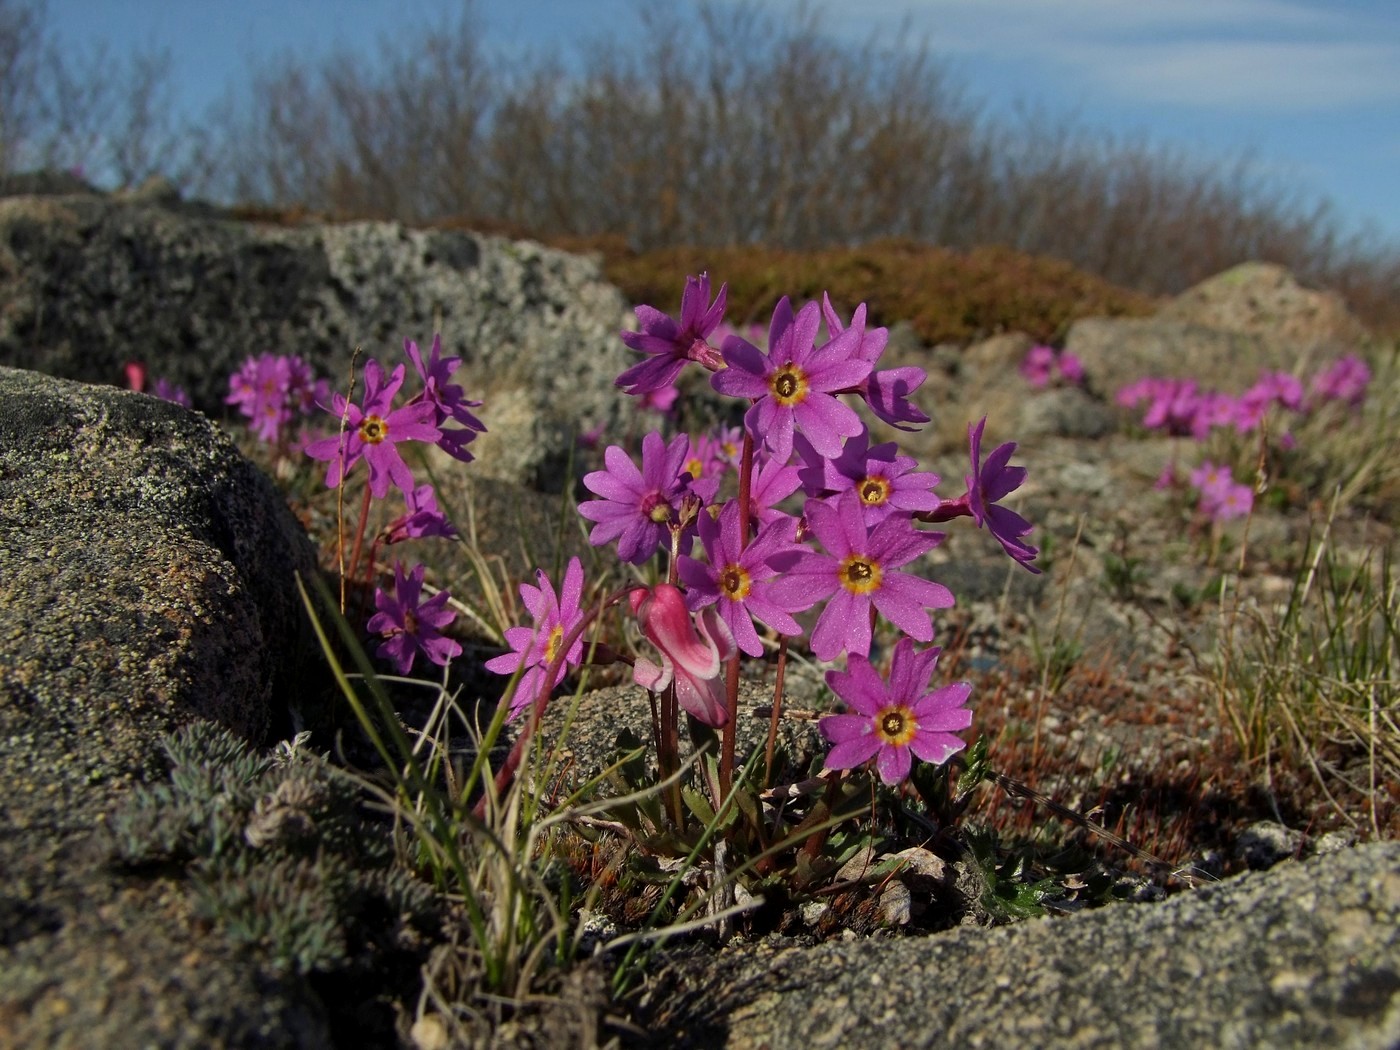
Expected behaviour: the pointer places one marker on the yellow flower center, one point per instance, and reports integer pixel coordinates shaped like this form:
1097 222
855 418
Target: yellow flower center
735 582
373 430
896 725
860 575
551 647
661 513
789 385
874 490
693 468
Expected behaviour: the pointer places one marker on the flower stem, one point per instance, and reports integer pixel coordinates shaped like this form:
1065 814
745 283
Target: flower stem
776 714
359 534
731 670
537 705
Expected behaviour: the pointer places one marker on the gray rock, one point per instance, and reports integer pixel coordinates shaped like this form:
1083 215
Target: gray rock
92 282
1305 955
1265 299
1264 844
1116 351
146 571
146 581
1221 333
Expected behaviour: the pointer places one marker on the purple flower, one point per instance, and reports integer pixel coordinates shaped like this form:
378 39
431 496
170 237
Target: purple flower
670 343
896 720
1345 379
1038 366
1232 501
410 626
168 391
856 574
773 480
990 482
738 579
1209 479
422 519
536 647
793 384
692 653
638 507
885 481
1221 497
886 391
449 400
270 390
372 433
704 459
661 400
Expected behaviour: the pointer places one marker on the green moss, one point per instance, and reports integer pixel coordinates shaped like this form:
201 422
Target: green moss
276 852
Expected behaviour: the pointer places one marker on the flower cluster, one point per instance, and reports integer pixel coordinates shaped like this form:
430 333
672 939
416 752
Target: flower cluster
742 571
273 391
1182 407
1221 497
1044 365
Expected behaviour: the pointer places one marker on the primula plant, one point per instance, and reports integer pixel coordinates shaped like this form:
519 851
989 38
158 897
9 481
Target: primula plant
794 533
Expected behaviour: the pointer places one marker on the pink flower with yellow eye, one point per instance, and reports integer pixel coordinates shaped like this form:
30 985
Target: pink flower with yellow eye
536 647
858 572
897 721
795 383
372 431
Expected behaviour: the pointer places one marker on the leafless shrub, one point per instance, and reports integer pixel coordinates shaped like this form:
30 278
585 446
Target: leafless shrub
111 118
710 125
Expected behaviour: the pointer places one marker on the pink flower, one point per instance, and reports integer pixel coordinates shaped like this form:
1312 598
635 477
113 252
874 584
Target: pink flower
691 658
990 482
738 578
1037 366
1345 379
372 433
670 343
536 647
794 384
421 520
410 626
886 482
638 507
895 721
449 400
858 572
1232 501
135 373
886 391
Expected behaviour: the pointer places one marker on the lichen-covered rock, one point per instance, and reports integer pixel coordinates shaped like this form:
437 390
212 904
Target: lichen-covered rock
146 578
91 282
1304 955
1266 299
1221 333
146 583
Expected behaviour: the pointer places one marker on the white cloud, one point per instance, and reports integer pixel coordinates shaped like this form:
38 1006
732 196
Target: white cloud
1252 75
1274 56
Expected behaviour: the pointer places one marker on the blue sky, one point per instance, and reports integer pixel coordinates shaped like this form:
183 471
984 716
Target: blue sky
1310 89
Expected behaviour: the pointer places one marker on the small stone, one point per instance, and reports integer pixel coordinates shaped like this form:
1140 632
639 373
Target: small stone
429 1033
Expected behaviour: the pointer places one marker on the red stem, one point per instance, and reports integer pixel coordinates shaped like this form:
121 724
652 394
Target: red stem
517 752
731 670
